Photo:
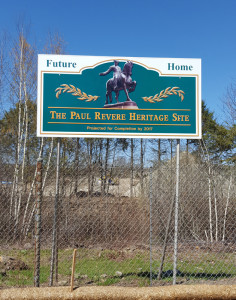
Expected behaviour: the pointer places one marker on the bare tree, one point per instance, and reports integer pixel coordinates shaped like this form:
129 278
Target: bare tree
55 43
23 86
229 102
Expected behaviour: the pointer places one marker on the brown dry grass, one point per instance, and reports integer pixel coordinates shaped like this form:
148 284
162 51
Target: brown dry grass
120 293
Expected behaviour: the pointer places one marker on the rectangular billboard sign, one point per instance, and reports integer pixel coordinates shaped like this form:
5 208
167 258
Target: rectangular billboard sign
133 97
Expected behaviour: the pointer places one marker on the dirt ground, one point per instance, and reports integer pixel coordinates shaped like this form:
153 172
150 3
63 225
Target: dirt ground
120 293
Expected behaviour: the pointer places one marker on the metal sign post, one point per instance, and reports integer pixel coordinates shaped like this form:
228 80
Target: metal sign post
176 213
55 221
150 219
38 222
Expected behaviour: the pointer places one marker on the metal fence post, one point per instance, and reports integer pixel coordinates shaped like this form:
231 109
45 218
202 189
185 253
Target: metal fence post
54 233
176 213
38 222
166 238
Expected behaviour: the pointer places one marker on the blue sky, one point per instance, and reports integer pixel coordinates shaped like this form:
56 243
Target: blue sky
153 28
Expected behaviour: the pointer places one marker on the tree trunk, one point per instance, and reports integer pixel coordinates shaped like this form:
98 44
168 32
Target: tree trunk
43 186
159 150
111 169
187 150
100 160
77 164
63 173
32 187
48 163
24 148
216 209
141 167
106 165
226 206
90 153
202 144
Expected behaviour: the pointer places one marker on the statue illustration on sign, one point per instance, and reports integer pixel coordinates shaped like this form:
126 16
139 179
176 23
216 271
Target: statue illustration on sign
121 81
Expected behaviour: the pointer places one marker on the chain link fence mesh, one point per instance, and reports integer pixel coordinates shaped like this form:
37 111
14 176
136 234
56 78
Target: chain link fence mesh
116 206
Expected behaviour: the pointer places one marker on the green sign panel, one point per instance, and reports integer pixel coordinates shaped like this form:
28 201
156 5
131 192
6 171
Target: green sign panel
91 96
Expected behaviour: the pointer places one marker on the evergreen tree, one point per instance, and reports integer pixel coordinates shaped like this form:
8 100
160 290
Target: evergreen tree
218 139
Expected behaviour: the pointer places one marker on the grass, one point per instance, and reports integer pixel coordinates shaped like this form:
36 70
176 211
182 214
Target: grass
100 267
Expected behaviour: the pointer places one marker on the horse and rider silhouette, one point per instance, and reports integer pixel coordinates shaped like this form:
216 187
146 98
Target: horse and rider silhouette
121 81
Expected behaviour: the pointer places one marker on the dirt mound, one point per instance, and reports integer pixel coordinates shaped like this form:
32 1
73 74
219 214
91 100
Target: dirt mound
105 293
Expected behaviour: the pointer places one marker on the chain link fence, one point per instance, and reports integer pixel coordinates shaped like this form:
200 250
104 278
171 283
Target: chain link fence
115 202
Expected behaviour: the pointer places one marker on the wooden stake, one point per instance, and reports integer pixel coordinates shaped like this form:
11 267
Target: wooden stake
73 271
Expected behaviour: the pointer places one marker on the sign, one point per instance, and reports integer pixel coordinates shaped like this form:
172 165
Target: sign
95 96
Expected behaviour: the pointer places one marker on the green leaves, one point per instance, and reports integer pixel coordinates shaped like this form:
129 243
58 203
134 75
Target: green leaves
219 139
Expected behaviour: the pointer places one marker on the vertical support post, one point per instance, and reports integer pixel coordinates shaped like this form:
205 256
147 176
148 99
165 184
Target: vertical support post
38 222
150 219
176 213
73 271
54 232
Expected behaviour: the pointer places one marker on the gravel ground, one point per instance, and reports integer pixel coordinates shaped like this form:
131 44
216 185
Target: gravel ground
120 293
